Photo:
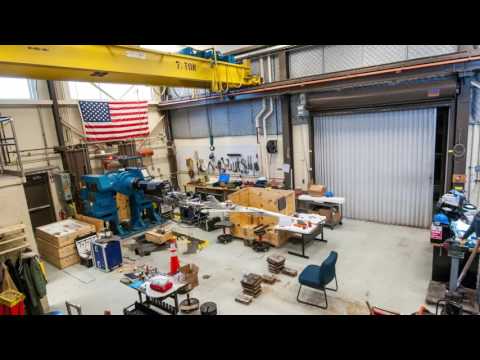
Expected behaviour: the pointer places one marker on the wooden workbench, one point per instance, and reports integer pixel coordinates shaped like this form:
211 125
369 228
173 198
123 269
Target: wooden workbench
221 193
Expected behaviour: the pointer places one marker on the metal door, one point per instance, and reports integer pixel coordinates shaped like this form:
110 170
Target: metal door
39 200
382 162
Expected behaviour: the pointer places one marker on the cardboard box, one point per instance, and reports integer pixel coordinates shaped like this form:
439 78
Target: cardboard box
317 190
190 275
333 215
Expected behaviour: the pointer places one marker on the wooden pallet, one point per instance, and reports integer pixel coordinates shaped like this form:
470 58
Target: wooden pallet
12 238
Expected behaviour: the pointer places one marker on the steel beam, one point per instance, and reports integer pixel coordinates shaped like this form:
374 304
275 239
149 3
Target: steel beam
122 64
410 70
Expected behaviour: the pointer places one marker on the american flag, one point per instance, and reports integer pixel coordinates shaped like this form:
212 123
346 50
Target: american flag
114 120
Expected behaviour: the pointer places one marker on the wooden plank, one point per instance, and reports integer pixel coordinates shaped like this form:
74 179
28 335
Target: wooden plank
8 251
98 223
49 249
12 228
123 207
3 242
158 238
62 263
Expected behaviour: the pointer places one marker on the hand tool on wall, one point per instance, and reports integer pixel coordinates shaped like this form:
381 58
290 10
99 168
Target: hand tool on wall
244 165
211 166
255 165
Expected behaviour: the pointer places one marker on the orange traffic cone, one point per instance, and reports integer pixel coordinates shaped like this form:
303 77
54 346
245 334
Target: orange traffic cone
174 261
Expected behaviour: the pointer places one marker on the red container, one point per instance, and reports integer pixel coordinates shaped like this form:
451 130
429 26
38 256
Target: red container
12 303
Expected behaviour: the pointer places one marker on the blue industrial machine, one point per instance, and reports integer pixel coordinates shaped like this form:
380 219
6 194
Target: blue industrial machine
208 54
99 198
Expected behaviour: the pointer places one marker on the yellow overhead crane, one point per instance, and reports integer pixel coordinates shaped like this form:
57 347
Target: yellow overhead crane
122 64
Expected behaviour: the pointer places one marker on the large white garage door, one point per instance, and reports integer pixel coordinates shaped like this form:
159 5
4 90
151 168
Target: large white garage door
382 162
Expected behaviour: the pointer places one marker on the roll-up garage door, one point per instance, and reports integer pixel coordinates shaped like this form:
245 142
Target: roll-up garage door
382 162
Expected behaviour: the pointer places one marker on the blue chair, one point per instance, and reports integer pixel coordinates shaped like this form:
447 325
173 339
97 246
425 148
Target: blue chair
318 277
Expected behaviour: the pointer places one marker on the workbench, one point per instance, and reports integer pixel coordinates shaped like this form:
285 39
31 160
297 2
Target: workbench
331 207
306 235
160 303
221 193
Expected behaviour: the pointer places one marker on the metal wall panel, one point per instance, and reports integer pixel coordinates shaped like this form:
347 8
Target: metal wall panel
381 162
180 124
343 57
306 62
233 119
241 121
197 118
419 51
219 118
383 54
325 59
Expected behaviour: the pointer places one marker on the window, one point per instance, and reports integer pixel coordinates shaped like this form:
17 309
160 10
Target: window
14 88
105 91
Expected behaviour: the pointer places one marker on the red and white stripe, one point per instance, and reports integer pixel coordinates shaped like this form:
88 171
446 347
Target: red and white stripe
129 120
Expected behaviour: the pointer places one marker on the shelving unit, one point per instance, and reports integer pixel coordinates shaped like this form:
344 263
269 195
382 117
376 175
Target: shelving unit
12 238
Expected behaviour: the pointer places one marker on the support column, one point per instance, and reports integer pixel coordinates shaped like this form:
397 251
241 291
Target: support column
462 118
287 130
289 177
171 156
57 120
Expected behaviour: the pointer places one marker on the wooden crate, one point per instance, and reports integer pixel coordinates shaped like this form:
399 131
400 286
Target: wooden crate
12 238
62 263
47 248
244 225
281 201
64 232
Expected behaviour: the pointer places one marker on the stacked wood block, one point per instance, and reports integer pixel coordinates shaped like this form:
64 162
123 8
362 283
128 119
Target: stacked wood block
289 271
269 279
252 285
244 299
276 263
56 241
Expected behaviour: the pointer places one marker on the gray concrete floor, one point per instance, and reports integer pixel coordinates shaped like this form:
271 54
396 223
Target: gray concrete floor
390 266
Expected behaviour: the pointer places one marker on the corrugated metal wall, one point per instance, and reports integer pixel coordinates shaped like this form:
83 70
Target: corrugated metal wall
381 162
232 119
325 59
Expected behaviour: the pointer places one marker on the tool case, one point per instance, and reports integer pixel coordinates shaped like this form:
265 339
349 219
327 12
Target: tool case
107 255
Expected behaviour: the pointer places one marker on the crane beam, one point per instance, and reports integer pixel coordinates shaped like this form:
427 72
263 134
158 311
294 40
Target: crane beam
122 64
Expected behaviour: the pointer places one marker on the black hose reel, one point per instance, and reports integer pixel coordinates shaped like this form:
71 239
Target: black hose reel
272 146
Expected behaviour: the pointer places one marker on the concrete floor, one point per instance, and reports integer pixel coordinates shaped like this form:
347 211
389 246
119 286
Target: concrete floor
390 266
